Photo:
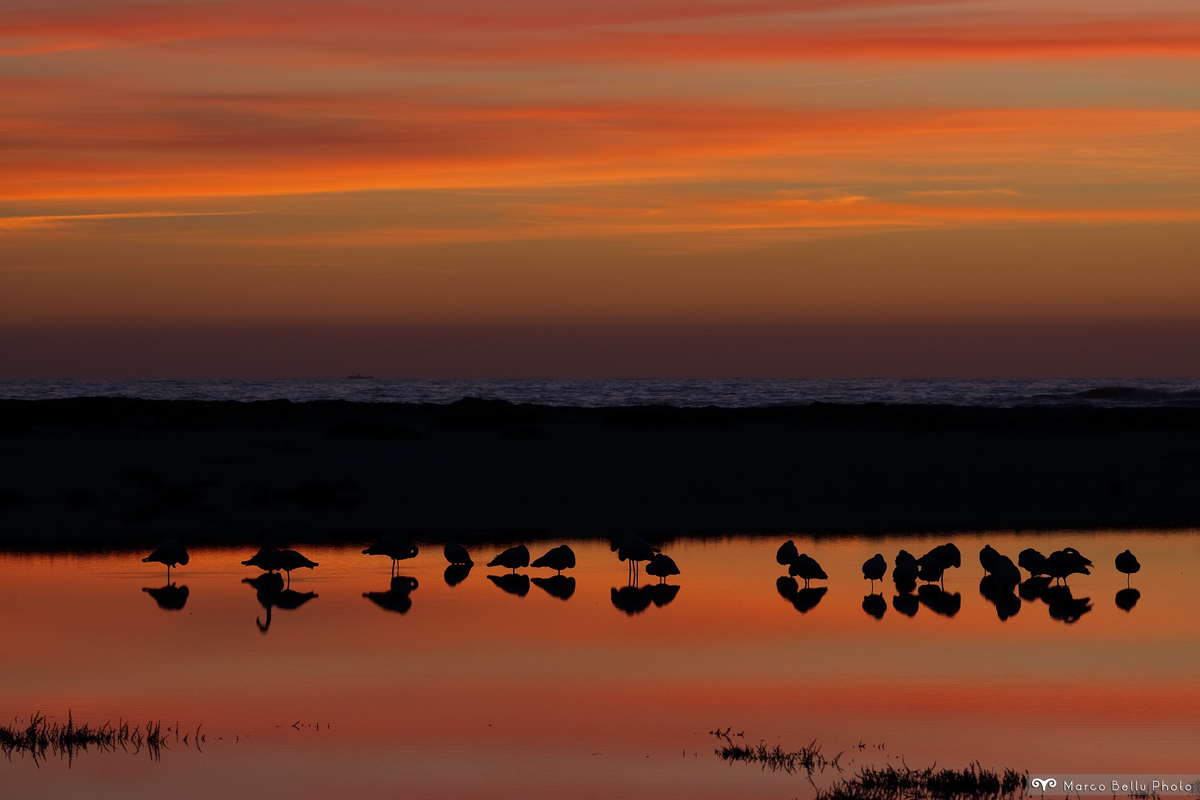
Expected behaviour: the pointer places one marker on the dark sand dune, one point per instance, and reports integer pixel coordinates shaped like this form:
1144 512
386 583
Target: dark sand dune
108 471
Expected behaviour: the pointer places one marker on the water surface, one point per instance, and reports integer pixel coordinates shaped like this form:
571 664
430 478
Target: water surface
470 690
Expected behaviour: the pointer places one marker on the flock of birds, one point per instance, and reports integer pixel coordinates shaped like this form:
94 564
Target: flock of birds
1001 578
274 592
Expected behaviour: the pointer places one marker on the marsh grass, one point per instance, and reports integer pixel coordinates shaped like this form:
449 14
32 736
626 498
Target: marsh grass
905 783
808 760
41 738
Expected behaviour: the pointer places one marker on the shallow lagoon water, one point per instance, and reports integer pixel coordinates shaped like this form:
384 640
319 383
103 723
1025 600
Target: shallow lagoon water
474 691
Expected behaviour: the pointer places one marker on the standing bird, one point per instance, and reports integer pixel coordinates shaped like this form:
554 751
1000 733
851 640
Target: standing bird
632 548
171 553
934 563
458 555
266 559
662 566
1033 562
290 560
512 558
557 559
787 553
807 568
905 573
396 547
1126 562
999 566
1067 561
874 568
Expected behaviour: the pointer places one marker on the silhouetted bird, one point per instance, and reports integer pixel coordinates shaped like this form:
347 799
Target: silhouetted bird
632 599
875 605
1001 596
930 570
806 568
1033 562
874 568
397 597
905 573
512 558
939 601
456 573
395 546
1128 563
634 549
169 552
934 564
457 554
290 560
512 583
557 559
907 604
787 553
663 593
999 566
169 597
560 586
1067 561
1126 599
662 567
267 559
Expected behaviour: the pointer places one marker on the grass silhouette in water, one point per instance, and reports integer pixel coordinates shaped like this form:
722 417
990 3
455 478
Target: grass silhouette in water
41 738
807 759
905 783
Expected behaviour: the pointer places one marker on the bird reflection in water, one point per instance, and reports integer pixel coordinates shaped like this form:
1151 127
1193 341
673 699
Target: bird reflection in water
1000 594
874 605
1063 606
938 600
512 583
456 573
560 586
397 597
1126 599
906 603
271 594
804 600
634 599
169 597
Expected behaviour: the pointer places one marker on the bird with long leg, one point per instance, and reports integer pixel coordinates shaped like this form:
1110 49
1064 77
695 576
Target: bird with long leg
873 569
396 547
169 552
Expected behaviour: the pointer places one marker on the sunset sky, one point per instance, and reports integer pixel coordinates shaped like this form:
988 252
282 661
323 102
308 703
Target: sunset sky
237 170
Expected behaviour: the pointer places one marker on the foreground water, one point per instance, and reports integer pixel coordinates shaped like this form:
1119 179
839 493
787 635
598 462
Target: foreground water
729 393
470 690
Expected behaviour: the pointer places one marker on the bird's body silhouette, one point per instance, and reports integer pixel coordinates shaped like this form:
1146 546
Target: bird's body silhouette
806 568
170 597
512 558
556 558
560 586
999 566
930 571
1033 562
512 583
786 553
266 559
1065 562
634 549
271 594
456 573
907 604
169 552
457 554
1000 595
396 547
661 567
290 560
874 568
905 573
1127 562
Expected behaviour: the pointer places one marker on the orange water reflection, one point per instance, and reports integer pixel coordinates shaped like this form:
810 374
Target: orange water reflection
472 690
